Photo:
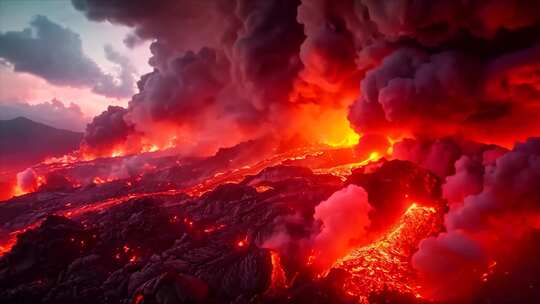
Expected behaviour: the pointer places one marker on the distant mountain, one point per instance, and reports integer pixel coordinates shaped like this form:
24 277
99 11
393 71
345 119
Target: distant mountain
24 142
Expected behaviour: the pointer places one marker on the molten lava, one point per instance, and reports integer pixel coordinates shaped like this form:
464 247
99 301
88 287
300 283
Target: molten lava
385 264
278 279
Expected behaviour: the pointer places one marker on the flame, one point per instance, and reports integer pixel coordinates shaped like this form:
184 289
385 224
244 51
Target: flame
278 278
385 264
342 136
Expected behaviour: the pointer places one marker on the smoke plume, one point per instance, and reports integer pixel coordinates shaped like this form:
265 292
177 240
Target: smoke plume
499 205
344 218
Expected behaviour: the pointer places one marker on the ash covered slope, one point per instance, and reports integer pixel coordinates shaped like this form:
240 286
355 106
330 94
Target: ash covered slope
24 142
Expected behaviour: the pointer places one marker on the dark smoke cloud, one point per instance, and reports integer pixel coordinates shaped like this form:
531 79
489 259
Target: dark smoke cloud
440 155
185 90
414 68
434 22
236 72
265 54
456 68
53 113
181 25
499 207
327 53
108 129
412 90
449 93
55 53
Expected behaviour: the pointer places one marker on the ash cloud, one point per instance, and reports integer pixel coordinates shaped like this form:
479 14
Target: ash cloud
240 81
54 53
452 68
500 205
408 68
107 129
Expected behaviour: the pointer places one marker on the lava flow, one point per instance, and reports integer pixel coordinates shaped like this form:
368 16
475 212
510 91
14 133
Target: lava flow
270 151
385 264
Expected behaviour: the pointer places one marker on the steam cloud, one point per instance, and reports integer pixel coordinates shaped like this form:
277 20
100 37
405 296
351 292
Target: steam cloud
345 220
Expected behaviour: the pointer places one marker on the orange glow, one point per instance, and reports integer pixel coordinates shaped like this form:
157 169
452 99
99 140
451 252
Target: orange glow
385 264
343 171
325 125
278 277
18 190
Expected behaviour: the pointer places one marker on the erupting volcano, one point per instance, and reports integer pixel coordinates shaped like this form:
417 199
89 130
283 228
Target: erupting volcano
277 151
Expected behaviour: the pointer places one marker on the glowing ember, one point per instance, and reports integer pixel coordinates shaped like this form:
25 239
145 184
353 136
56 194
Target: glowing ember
278 278
384 264
242 243
491 268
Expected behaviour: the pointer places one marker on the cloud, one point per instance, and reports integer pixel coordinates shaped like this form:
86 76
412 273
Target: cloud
108 86
53 113
54 53
485 219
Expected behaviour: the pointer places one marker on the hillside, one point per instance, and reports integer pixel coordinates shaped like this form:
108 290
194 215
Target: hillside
24 142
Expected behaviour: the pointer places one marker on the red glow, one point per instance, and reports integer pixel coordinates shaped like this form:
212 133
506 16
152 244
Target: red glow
242 243
278 278
384 264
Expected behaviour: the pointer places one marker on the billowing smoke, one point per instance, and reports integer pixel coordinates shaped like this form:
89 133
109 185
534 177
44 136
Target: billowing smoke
237 76
254 67
344 222
108 129
339 224
459 78
494 201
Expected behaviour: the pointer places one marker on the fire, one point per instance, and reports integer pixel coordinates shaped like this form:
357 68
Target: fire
278 277
344 136
384 264
325 125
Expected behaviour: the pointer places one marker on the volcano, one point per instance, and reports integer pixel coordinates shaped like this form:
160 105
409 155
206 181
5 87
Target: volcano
276 151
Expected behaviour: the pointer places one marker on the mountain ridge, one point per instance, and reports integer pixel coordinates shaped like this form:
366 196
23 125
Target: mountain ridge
24 142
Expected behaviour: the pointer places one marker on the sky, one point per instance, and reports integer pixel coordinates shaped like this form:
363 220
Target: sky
52 89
